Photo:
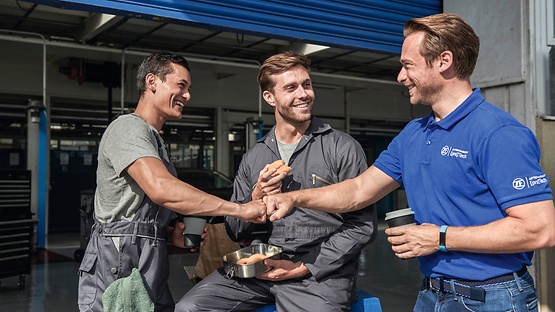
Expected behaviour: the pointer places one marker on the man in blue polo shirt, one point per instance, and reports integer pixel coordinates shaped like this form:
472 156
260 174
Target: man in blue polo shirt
471 174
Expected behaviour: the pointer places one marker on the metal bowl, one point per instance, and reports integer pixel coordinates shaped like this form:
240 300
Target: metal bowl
249 270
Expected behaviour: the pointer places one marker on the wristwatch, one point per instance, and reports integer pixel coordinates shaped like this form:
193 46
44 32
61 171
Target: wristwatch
442 231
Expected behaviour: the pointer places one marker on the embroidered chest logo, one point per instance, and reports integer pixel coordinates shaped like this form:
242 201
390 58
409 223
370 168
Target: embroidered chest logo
454 152
521 183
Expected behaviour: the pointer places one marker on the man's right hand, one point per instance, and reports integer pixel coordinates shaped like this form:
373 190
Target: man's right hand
267 184
278 205
253 211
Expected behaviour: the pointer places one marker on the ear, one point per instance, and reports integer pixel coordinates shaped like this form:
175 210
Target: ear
269 98
150 82
445 60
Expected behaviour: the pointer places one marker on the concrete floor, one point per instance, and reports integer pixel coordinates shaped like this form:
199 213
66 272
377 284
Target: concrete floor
52 284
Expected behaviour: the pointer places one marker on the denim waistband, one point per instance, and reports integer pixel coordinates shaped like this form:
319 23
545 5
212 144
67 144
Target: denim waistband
470 289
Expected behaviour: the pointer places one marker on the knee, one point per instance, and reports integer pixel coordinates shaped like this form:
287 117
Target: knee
185 305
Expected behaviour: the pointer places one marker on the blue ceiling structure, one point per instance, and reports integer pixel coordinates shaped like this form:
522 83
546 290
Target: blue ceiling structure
371 25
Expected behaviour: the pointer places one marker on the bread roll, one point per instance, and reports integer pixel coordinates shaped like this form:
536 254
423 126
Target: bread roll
281 169
255 258
276 164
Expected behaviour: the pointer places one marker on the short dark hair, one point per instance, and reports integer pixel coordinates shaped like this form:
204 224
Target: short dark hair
447 32
158 63
278 64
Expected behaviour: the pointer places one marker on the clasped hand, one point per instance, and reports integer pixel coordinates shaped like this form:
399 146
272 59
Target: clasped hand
267 191
273 207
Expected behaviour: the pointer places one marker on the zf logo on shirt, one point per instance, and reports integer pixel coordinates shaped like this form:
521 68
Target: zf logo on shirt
521 183
454 152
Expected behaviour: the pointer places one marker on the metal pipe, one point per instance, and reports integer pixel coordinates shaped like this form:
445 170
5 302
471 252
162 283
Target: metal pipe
122 83
193 58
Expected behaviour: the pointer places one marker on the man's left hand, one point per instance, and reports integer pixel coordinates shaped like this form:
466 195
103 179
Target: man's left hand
412 241
177 238
281 270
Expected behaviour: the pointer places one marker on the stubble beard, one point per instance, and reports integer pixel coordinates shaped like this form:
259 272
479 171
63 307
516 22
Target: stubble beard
289 117
425 95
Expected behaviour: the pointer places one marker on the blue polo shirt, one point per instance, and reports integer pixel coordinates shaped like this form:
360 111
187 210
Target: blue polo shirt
465 170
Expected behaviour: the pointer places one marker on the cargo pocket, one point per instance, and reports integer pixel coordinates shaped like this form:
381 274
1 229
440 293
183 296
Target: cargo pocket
87 280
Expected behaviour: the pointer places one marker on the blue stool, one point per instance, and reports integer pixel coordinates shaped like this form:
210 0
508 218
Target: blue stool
365 303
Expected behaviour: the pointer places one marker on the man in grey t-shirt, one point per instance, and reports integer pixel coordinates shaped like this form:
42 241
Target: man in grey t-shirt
138 194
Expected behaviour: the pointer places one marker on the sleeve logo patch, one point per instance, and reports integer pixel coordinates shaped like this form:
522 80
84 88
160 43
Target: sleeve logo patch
521 183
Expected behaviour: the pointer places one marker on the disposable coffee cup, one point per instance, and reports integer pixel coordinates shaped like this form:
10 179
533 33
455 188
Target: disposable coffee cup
194 227
400 217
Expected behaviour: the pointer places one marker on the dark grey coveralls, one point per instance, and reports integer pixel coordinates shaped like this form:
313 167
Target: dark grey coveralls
142 245
328 244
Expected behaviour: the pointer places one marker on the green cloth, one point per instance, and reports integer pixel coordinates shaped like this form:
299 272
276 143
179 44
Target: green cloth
127 295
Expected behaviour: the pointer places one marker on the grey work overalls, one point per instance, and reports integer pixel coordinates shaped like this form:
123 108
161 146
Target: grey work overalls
142 245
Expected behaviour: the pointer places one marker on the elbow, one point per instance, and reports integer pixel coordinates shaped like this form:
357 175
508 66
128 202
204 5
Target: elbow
157 196
544 243
549 238
544 238
546 233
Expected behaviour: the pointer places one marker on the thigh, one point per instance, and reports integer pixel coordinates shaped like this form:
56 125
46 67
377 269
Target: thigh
426 301
333 294
218 293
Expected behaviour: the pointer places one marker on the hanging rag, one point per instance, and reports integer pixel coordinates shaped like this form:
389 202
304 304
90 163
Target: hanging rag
127 294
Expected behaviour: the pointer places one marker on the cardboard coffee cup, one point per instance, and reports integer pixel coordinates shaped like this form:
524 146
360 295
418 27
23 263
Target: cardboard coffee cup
194 227
400 217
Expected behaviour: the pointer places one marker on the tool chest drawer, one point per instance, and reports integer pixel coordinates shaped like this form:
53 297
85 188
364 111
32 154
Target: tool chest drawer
16 248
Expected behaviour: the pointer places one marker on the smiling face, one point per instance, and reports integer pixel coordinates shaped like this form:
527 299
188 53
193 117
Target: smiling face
292 96
422 80
173 93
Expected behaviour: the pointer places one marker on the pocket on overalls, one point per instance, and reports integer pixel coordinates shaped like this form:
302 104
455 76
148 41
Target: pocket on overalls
87 279
319 176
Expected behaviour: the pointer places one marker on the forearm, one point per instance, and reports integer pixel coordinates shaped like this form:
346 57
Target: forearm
337 198
349 195
528 227
185 199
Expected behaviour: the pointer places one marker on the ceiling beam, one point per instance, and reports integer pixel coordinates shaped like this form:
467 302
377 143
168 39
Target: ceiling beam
306 48
96 23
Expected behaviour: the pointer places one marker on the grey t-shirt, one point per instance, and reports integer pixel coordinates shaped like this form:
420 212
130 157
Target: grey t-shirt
126 139
286 150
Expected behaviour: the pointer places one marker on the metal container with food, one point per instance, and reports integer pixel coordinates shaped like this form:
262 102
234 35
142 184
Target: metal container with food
232 268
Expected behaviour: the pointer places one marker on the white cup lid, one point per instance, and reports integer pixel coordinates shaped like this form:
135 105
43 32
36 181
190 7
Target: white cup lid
398 213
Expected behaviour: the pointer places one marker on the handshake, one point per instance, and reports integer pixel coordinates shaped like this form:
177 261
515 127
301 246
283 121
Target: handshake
267 200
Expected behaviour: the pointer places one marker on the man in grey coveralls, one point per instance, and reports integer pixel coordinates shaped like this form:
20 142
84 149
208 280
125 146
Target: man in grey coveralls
318 267
138 193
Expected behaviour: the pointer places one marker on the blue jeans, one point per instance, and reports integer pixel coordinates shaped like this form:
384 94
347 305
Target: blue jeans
518 295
